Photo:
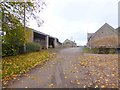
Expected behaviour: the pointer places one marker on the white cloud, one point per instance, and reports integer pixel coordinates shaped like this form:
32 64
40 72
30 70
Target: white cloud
74 18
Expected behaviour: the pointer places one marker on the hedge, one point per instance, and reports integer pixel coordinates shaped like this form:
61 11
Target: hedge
32 47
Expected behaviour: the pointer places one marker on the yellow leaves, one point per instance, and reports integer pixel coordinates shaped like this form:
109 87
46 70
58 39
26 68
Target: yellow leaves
4 82
51 85
101 77
18 79
113 74
96 86
32 77
98 80
113 84
106 80
75 67
100 66
84 63
51 55
25 74
76 76
81 63
65 77
72 71
102 86
54 53
14 78
77 82
16 65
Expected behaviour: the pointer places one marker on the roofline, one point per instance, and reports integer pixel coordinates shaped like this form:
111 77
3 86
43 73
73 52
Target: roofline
44 34
39 32
101 27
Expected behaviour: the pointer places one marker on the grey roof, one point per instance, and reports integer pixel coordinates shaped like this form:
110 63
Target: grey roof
44 34
41 33
105 25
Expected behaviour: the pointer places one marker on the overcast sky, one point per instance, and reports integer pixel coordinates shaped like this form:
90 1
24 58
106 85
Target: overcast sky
72 19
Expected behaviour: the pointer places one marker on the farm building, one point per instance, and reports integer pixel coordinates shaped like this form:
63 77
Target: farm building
106 37
69 43
46 41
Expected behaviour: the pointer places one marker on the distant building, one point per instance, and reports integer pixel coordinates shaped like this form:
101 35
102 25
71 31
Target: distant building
69 43
106 37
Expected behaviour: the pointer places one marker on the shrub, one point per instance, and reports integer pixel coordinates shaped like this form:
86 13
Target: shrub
9 49
95 50
112 51
86 50
102 50
32 47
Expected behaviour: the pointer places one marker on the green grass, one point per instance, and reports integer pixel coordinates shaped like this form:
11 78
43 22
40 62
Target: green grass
0 69
99 50
16 65
86 50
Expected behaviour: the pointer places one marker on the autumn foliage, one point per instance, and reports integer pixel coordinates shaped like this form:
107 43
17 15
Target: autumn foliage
16 65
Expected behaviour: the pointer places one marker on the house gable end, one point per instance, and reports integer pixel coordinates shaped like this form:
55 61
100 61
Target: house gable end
105 30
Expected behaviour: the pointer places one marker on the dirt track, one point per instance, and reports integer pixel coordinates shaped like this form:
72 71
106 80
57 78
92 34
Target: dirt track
72 69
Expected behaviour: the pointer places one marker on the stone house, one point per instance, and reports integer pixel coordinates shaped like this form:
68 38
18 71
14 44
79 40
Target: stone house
69 43
106 37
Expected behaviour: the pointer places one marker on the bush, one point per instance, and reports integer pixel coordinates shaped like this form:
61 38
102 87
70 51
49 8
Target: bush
95 50
112 51
103 50
8 49
32 47
86 50
11 49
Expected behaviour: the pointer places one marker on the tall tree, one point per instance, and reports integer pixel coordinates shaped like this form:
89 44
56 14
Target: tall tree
31 8
12 23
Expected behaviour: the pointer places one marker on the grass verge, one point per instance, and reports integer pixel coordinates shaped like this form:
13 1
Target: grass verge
0 69
99 50
16 65
86 50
